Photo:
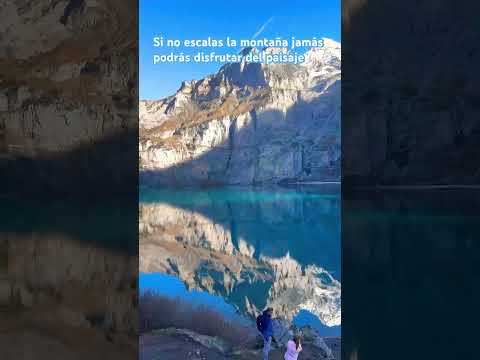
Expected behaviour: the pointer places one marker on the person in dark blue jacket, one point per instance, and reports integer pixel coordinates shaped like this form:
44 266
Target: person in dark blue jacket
265 326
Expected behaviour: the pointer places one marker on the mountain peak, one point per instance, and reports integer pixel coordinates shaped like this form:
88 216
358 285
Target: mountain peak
330 43
326 59
220 128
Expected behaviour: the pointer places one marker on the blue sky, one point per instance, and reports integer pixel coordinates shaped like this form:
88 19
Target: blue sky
189 19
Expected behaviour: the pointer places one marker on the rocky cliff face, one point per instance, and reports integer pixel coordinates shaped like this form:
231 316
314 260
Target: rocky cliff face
249 123
206 257
410 102
68 91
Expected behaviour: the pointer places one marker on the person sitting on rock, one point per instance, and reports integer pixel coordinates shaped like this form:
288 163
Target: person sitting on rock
293 348
265 326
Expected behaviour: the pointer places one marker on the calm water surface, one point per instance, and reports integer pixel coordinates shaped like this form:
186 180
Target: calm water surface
239 249
411 274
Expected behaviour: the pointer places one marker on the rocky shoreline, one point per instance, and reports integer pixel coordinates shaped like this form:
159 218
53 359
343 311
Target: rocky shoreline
180 344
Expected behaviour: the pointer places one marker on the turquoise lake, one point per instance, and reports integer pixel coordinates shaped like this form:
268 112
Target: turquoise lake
239 249
411 274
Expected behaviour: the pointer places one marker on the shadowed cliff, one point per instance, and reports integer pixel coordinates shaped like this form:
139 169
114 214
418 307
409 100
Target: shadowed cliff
104 168
410 100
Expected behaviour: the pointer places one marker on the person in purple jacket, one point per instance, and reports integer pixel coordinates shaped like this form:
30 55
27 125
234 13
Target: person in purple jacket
293 348
265 326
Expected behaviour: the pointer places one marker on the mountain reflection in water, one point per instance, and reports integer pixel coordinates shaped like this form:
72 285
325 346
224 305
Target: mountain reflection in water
251 247
68 279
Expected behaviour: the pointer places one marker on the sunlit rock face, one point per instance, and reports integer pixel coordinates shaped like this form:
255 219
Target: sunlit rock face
248 123
309 288
221 255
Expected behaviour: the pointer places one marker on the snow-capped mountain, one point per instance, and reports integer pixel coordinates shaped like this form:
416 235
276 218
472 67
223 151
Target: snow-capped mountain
248 123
